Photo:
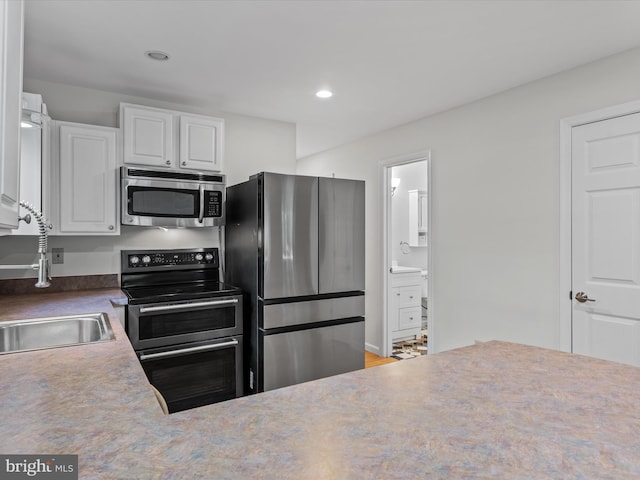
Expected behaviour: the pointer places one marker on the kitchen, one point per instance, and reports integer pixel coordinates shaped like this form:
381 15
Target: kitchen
532 251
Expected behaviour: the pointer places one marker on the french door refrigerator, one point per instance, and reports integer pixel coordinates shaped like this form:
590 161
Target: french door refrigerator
295 245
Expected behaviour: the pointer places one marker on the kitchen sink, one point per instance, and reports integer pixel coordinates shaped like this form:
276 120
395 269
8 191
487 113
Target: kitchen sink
53 332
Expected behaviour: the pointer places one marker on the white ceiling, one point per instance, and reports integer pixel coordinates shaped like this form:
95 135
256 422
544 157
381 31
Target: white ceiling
388 62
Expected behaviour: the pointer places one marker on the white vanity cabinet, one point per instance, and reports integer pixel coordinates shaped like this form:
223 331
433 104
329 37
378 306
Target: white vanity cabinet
418 218
84 180
11 48
154 137
405 310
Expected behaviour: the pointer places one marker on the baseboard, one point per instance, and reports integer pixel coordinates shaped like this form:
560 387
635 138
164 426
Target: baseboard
372 348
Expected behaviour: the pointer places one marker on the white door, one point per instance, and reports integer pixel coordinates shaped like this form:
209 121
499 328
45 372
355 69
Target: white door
605 165
201 143
88 180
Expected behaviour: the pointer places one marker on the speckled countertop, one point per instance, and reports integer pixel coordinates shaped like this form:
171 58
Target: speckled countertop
496 410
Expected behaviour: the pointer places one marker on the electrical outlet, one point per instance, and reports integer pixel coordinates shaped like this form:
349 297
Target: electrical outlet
57 255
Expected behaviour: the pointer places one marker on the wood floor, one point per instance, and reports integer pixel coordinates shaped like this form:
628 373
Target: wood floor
373 360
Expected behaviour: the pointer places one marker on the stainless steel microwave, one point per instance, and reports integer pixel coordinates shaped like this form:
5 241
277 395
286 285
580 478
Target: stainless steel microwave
155 198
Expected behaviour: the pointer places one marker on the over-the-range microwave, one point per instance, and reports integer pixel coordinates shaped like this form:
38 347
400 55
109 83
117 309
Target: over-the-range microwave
155 198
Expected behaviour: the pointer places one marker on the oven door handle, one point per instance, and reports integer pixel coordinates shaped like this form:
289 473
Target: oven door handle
201 214
184 306
182 351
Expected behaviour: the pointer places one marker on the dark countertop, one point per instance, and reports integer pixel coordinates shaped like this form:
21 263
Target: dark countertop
495 410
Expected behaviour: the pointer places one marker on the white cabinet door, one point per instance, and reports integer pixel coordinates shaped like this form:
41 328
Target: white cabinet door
87 180
11 25
148 136
201 143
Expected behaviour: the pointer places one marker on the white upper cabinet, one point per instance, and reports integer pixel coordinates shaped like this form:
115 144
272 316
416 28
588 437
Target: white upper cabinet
155 137
200 143
11 28
85 175
147 136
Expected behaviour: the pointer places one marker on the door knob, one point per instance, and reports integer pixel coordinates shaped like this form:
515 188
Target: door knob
582 297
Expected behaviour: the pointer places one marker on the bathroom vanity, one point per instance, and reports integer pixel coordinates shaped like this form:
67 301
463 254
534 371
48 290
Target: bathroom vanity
405 308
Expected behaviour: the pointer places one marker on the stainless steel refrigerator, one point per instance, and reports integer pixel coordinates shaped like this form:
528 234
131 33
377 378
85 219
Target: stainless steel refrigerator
295 245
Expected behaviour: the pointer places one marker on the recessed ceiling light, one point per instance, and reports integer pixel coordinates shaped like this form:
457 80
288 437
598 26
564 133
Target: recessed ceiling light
324 94
157 55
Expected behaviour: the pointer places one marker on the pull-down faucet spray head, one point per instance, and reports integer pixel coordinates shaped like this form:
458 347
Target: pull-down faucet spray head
43 261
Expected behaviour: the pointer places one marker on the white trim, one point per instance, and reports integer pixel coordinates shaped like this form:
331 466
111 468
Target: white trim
566 124
432 340
564 338
384 176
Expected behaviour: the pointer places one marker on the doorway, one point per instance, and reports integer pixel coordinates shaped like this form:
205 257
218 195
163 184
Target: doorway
408 327
600 250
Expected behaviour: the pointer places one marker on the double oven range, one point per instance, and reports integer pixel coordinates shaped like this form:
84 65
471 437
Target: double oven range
184 324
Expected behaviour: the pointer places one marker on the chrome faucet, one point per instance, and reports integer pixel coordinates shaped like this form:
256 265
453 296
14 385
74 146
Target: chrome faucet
43 262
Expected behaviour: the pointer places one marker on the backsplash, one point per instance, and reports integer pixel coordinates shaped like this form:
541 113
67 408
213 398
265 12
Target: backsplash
98 255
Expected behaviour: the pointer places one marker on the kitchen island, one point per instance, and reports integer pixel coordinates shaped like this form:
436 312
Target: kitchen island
495 410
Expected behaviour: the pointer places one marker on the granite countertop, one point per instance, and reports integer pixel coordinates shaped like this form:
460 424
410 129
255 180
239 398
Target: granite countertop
495 410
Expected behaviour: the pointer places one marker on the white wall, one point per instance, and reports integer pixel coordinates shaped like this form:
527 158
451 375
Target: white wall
251 145
495 203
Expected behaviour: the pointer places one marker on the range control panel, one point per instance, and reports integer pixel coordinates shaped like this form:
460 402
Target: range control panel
197 257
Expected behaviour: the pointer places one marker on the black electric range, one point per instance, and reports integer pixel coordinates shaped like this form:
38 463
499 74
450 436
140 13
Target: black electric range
185 325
